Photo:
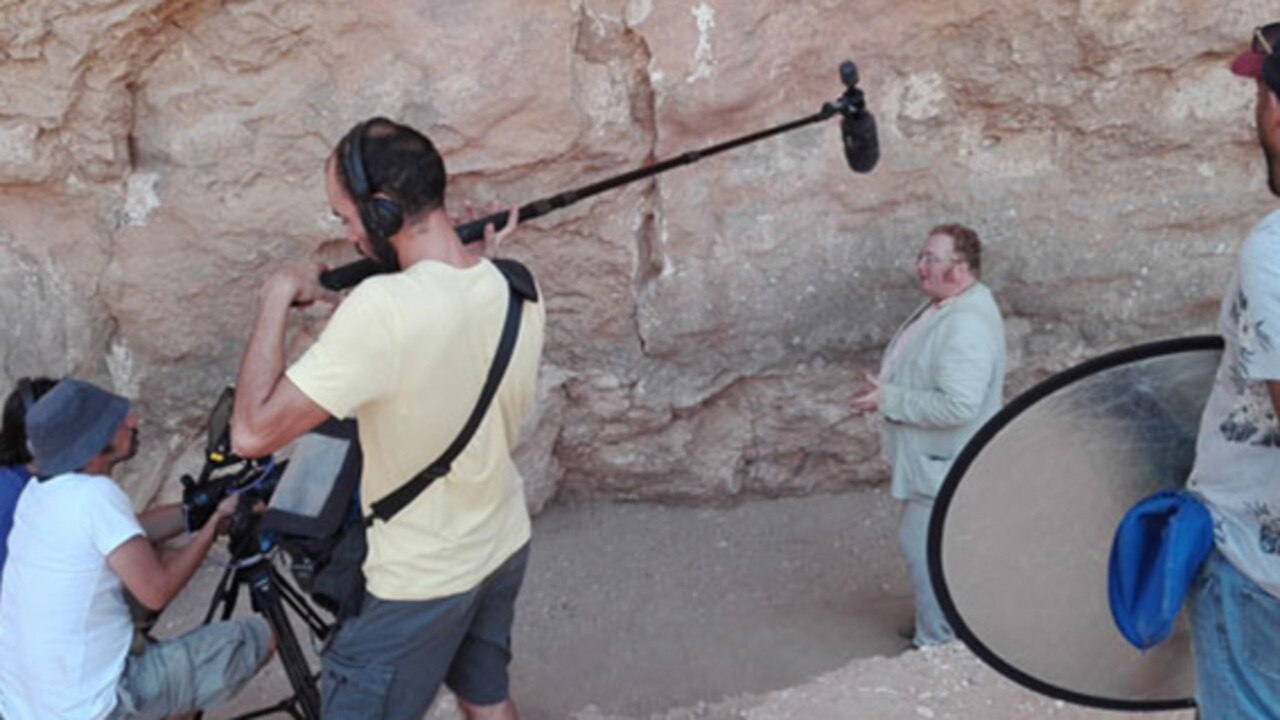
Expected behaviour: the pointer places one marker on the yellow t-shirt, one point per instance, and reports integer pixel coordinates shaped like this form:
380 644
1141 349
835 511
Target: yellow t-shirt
408 353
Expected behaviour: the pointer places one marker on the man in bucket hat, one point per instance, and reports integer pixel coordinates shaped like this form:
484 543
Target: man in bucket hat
1235 600
65 628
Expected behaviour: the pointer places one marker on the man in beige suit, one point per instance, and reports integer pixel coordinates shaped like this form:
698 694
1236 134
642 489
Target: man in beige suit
941 378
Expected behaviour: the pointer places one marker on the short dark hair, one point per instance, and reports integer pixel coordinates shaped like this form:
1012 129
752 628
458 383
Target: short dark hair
13 428
966 244
399 162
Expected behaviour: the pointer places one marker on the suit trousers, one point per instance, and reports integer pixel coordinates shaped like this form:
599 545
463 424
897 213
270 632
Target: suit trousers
931 624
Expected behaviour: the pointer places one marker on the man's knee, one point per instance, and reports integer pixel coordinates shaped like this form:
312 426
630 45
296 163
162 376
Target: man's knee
226 658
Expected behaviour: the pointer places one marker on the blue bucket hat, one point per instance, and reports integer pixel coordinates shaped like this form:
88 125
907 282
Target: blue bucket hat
71 424
1158 549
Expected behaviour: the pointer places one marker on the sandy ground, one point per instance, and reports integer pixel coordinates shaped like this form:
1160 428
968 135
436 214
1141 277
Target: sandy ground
937 684
774 609
637 609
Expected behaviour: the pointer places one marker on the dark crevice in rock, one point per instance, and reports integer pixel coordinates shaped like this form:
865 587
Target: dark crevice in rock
611 42
649 254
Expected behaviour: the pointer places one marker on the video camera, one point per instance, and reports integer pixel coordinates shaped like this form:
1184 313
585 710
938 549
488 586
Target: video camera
224 473
310 499
311 496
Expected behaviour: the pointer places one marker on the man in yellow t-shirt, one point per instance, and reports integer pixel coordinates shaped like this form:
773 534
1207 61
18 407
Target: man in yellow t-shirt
408 353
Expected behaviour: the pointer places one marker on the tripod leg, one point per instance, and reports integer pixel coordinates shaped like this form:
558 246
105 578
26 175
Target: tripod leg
266 600
296 602
225 595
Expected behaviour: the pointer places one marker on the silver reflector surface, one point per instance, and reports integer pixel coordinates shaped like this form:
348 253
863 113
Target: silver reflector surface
1021 534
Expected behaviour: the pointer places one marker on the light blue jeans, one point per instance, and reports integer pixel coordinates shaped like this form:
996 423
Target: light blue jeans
931 624
1235 636
196 671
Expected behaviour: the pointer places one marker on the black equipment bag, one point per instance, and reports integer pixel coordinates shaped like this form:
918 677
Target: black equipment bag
316 500
328 545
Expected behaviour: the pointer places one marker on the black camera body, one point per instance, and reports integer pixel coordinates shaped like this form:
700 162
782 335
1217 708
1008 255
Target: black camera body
311 499
254 480
290 492
224 473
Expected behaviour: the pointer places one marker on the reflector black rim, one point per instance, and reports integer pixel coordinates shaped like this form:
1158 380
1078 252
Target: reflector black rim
974 448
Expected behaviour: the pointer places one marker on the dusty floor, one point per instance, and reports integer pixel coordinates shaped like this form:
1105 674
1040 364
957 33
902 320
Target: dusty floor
637 609
774 609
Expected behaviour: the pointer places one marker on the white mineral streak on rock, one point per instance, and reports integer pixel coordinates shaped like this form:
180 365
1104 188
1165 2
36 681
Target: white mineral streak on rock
637 11
140 198
924 96
123 369
704 54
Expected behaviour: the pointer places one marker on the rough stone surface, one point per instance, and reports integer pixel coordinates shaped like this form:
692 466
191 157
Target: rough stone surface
946 683
158 157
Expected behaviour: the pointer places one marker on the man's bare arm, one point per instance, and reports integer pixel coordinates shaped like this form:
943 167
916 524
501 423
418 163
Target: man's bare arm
162 522
270 411
155 581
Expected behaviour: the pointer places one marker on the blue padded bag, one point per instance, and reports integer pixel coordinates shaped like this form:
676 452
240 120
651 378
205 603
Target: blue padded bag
1158 549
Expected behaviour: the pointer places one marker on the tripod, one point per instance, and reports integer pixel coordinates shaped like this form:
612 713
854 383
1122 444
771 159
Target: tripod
270 594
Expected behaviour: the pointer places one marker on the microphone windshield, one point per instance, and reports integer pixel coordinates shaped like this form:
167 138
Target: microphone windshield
861 142
858 128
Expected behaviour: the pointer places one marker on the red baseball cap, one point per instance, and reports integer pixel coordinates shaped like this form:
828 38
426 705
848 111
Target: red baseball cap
1262 60
1249 64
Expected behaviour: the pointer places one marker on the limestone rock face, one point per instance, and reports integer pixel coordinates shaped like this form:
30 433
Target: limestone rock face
159 157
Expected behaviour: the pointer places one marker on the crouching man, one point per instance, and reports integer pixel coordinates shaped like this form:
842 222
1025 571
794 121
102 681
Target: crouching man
65 628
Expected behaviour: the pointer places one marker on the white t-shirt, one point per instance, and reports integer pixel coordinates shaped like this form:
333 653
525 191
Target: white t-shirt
64 624
1237 468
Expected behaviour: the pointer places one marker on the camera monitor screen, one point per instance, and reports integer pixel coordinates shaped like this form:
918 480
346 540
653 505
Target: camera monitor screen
219 423
318 484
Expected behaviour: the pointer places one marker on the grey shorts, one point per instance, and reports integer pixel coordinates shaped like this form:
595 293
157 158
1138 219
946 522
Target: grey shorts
195 671
390 660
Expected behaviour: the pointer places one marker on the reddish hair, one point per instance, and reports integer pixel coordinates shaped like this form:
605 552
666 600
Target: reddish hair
966 245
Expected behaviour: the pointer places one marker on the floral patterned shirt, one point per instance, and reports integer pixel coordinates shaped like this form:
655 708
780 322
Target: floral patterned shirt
1237 468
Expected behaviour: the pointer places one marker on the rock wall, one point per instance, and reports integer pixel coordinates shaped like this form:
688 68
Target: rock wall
158 157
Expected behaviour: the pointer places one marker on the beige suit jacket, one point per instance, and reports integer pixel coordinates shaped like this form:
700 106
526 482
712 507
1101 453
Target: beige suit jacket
946 383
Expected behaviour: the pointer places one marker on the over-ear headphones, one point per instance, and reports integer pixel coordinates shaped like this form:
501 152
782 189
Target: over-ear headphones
381 216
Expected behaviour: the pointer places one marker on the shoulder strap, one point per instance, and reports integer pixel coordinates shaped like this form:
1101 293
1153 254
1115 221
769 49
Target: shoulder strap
518 277
521 288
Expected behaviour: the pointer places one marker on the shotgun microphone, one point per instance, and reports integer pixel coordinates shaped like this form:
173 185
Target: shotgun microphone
858 127
861 151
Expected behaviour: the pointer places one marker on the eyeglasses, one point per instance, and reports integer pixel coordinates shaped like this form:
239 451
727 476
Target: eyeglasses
928 260
1265 38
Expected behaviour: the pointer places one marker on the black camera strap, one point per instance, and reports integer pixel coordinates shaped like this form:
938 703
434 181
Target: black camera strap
521 288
